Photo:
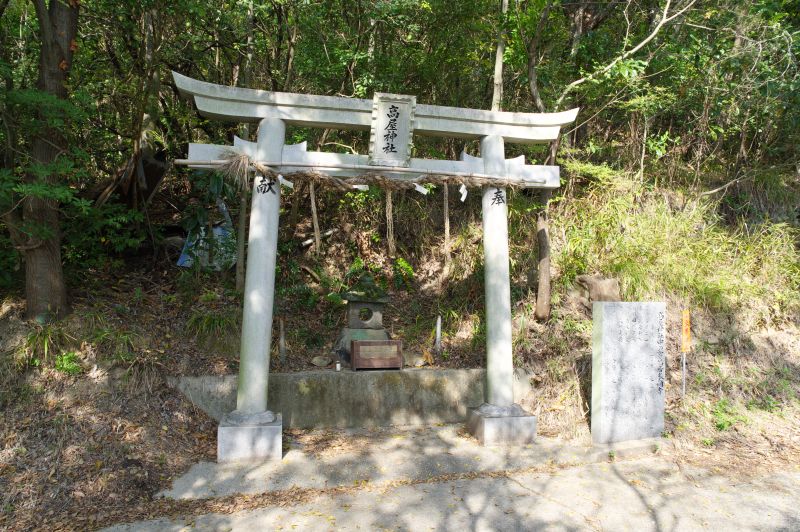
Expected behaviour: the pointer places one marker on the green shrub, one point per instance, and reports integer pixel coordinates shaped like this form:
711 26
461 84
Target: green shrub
94 235
10 267
299 296
403 273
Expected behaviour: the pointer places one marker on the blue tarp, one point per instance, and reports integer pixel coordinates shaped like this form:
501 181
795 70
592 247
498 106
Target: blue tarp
224 245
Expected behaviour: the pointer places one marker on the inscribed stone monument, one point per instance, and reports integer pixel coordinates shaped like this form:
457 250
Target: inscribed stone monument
628 354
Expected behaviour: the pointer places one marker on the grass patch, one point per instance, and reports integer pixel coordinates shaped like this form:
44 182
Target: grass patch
68 363
208 323
726 415
622 229
42 343
113 344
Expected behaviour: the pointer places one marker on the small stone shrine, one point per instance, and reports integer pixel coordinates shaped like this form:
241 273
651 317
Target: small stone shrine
365 304
628 356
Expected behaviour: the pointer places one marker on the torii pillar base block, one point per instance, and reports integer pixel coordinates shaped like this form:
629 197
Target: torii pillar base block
249 438
506 425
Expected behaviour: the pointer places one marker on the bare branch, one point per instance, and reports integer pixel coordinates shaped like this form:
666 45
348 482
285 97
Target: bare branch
723 187
665 17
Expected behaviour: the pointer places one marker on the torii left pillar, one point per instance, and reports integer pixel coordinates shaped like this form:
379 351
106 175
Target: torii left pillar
252 432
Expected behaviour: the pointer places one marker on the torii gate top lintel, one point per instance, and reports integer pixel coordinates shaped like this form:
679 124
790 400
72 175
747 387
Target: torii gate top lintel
392 120
251 105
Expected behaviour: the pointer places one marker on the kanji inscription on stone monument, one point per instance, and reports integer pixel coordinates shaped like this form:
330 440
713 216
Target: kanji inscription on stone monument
628 372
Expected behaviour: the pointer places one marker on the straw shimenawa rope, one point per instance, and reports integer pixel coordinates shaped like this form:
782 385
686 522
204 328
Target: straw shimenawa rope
236 169
237 166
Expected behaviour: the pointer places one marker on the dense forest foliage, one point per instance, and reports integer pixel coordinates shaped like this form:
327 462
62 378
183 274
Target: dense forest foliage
689 95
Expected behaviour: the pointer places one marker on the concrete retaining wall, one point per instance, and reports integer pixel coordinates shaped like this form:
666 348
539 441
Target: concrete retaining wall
320 399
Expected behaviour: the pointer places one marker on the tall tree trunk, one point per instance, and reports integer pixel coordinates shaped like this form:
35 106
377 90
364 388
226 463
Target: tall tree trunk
244 195
544 287
533 57
576 29
497 93
446 215
542 311
390 243
45 290
294 212
312 196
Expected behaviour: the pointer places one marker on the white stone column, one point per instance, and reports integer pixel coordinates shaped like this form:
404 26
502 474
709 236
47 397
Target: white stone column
259 287
499 360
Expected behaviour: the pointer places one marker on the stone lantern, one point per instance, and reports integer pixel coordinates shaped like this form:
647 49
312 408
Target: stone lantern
365 304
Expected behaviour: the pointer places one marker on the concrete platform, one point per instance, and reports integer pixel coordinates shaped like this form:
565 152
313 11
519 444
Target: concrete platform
363 399
382 456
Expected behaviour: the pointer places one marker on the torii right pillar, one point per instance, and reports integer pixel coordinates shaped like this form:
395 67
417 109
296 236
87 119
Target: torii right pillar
499 421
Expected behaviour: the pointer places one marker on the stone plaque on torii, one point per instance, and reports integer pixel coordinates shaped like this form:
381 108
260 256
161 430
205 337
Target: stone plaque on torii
252 431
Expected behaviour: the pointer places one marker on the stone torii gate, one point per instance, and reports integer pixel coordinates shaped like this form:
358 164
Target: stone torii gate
252 431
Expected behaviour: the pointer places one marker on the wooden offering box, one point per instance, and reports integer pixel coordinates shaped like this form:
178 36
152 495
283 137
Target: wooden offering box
376 354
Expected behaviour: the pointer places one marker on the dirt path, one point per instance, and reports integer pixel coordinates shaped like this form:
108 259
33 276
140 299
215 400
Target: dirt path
646 494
